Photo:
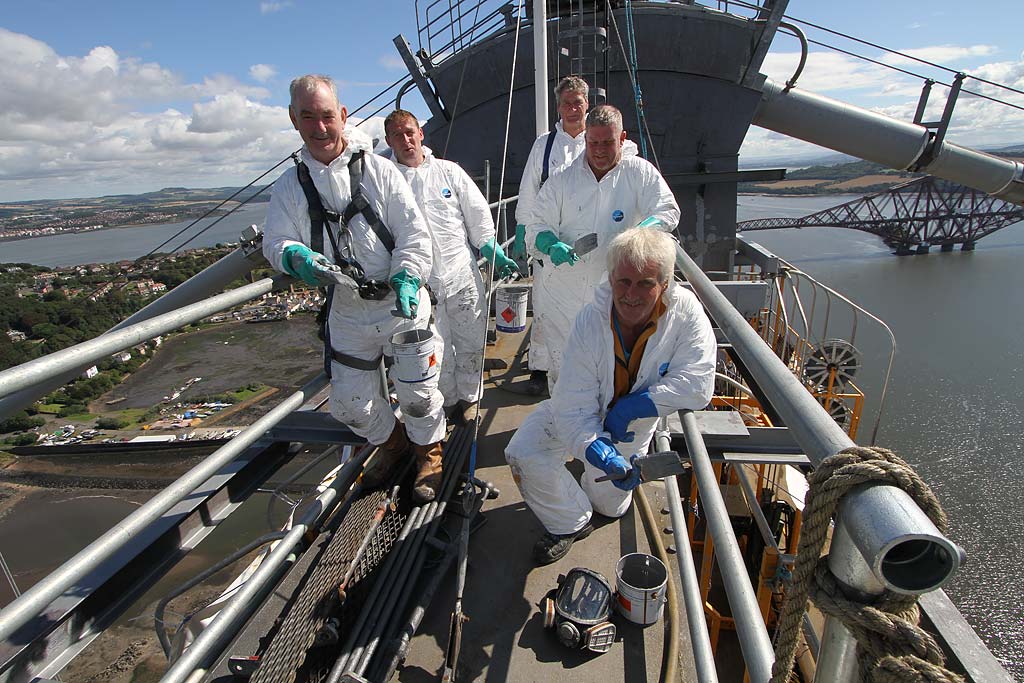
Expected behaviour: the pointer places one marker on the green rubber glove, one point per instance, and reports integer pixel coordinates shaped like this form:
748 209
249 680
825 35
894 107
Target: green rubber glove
559 252
503 265
407 289
309 266
518 250
649 222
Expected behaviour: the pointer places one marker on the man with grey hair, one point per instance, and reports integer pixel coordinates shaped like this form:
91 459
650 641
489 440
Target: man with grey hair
603 192
345 219
643 348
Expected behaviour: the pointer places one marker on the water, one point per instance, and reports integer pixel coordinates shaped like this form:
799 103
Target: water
116 244
953 408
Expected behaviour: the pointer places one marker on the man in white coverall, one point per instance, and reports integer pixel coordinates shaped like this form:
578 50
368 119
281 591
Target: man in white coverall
376 266
603 192
458 216
643 348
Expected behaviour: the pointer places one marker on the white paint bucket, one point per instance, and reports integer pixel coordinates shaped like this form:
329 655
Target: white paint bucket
640 583
510 308
415 360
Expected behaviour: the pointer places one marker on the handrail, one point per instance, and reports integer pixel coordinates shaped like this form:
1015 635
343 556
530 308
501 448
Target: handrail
700 641
35 600
212 640
753 635
39 370
883 539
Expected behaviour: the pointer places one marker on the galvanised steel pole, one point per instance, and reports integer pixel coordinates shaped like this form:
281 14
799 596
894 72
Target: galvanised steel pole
201 285
881 532
41 369
753 635
700 641
35 600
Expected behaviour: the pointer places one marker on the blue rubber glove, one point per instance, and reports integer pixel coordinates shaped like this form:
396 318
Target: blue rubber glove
649 222
518 250
626 409
407 288
309 266
604 456
559 252
503 265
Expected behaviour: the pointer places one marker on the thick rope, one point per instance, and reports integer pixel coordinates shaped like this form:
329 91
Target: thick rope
891 646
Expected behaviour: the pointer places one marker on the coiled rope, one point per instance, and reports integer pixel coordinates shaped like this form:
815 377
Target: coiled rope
891 646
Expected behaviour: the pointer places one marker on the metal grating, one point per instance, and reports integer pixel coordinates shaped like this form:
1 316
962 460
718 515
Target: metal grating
285 657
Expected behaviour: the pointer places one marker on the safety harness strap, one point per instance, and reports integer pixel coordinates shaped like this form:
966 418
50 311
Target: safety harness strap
361 206
353 362
547 156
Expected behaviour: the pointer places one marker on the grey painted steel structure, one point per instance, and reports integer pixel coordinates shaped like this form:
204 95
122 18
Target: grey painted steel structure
884 520
884 140
753 635
36 371
34 601
700 641
201 285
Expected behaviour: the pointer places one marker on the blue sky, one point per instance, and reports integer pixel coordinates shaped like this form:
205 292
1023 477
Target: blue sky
107 97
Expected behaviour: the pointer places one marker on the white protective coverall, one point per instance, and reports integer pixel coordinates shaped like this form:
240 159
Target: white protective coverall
458 216
565 150
573 204
358 327
677 369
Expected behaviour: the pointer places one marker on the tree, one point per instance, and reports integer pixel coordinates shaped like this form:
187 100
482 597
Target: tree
20 421
111 423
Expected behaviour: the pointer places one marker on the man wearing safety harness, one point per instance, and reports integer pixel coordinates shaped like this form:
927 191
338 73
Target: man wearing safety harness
601 194
458 216
643 348
345 219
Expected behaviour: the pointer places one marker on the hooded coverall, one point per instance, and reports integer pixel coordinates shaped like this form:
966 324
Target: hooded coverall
565 150
678 371
458 216
573 204
358 327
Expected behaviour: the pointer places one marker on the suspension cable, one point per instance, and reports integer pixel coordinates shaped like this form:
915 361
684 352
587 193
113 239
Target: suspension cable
462 76
633 81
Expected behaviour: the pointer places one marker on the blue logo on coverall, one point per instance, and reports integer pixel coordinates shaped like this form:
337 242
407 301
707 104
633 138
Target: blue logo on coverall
446 193
617 216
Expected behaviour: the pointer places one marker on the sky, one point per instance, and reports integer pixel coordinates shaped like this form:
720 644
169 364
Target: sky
110 97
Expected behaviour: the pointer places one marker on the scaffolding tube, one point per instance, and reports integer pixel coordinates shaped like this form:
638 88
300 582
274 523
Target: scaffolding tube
754 641
218 634
34 601
700 641
39 370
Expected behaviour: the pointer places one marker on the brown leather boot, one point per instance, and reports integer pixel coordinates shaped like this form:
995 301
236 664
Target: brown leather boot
428 475
390 454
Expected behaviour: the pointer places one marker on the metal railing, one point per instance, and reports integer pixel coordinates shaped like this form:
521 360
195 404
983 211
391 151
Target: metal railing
445 27
880 533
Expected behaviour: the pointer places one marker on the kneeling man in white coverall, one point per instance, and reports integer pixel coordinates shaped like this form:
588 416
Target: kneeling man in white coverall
642 349
602 192
376 254
458 216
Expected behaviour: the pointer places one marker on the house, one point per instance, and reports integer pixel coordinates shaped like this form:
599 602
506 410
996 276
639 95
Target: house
90 372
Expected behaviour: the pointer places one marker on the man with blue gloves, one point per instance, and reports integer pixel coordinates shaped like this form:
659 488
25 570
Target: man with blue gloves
458 217
602 193
345 219
644 348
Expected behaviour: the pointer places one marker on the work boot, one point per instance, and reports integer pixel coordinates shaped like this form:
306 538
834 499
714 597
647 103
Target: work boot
428 472
389 455
537 385
553 547
469 411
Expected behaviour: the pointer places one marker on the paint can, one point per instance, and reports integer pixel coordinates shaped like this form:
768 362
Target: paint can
415 359
510 308
640 588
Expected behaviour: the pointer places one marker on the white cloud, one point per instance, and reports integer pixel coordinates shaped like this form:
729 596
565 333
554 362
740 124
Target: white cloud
391 62
944 55
262 72
105 123
271 7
